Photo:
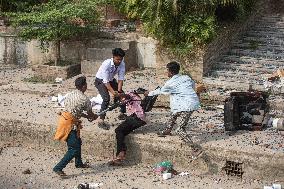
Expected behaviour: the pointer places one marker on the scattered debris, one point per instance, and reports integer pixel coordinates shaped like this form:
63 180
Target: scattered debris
275 83
278 123
167 176
27 171
89 185
245 111
234 168
164 167
274 186
183 174
58 80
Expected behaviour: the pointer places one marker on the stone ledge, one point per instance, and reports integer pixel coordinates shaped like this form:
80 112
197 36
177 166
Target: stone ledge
147 149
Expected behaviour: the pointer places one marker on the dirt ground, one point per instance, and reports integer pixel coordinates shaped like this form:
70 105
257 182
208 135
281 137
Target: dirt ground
21 100
30 168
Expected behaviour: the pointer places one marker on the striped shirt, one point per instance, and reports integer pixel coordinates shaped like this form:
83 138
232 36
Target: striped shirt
108 70
76 103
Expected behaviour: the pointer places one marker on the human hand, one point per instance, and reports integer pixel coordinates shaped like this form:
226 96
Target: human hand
146 93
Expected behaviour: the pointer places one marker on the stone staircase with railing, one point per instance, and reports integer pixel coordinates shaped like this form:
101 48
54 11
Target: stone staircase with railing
252 59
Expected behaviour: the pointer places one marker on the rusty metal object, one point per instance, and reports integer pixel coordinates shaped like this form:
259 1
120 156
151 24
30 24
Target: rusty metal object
234 169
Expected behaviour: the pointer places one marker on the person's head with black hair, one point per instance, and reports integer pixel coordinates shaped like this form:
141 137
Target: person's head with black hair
173 68
81 83
118 55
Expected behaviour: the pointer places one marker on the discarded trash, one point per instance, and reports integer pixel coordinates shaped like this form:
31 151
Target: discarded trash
27 171
276 186
89 185
60 99
58 80
245 110
234 168
275 83
200 88
167 176
278 123
163 167
183 174
54 99
220 107
97 102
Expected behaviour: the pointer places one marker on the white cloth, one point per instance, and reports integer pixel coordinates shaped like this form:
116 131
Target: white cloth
108 70
96 102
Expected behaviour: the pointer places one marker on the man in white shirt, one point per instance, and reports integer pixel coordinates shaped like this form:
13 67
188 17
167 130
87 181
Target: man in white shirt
106 83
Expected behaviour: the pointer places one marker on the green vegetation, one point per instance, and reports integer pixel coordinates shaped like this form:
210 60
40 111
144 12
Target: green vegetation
60 63
55 21
36 79
17 5
181 24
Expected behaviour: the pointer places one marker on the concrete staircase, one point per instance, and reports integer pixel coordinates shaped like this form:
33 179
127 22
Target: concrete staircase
101 50
252 59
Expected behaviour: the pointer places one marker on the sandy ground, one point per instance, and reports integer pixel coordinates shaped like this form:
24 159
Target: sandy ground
31 102
24 168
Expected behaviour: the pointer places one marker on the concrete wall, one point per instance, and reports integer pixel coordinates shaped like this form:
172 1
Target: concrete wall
146 52
15 51
51 72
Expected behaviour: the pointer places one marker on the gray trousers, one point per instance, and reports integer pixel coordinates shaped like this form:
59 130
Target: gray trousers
180 119
105 95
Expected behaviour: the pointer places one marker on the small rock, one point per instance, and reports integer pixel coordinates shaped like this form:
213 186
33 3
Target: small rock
27 171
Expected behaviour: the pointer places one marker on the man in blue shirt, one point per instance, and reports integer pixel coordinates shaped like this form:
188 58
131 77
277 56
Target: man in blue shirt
183 100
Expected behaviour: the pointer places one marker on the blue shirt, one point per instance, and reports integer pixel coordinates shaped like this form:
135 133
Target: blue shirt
108 70
182 94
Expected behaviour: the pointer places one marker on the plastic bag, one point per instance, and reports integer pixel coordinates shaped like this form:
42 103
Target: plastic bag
163 167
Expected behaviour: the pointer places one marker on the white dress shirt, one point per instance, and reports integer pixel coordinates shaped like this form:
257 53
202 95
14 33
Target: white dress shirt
108 70
182 94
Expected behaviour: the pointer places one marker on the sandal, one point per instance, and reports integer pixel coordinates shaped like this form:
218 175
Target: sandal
164 133
61 174
84 166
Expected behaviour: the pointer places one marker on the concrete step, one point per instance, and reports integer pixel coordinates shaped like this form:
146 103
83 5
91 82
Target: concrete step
239 76
243 67
257 54
258 46
268 63
148 149
257 33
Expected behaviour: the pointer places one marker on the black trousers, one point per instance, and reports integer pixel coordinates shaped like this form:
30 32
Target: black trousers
127 126
105 95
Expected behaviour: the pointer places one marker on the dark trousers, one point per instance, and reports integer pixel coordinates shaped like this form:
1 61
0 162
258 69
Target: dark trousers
127 126
105 95
74 150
